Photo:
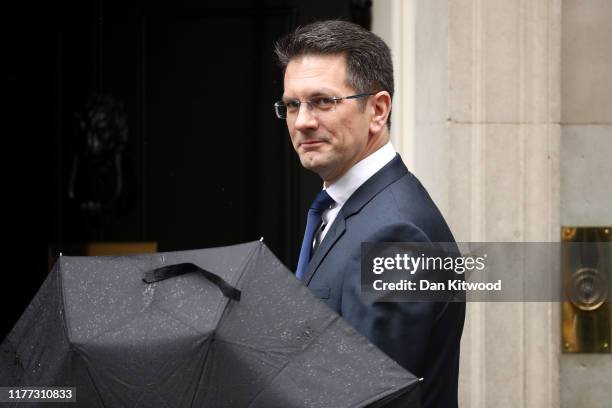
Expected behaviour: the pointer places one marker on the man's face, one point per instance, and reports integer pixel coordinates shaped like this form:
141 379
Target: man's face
330 142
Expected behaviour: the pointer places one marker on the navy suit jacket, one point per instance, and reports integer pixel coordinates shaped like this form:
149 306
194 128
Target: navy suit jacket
423 337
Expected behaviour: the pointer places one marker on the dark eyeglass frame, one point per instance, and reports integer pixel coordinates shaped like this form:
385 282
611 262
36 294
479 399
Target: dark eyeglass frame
280 105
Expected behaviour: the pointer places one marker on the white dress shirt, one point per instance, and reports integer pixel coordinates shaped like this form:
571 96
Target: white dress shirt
343 188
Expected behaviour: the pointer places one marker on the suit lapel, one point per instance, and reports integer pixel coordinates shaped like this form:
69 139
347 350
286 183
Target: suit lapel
368 190
374 185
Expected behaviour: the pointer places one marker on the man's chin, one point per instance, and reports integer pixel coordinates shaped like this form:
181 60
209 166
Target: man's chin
313 164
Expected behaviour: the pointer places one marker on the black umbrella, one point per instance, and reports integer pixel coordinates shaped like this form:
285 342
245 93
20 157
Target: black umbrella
220 327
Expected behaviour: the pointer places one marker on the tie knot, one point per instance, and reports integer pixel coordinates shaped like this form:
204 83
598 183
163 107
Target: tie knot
322 201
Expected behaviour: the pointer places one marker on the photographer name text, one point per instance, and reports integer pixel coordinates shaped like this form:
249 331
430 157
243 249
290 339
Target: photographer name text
425 285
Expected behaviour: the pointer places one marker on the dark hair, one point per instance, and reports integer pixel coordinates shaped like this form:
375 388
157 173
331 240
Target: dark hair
368 59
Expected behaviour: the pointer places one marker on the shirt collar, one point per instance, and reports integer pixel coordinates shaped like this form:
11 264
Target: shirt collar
342 189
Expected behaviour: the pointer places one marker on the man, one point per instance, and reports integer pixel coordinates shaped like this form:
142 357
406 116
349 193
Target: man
338 86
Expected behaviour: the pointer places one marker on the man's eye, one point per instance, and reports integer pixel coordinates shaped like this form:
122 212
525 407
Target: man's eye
292 105
322 102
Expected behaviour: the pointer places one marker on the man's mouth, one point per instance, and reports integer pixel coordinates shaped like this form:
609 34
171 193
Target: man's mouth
311 143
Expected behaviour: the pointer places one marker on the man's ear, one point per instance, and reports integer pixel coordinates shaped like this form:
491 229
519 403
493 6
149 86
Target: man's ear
381 106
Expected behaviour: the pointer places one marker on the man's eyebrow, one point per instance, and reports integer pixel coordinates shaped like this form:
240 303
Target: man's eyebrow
328 93
322 93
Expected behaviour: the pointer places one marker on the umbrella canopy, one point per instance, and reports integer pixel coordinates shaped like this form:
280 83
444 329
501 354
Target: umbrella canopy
223 327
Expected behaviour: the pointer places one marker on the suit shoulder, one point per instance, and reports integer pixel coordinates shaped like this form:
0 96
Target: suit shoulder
413 204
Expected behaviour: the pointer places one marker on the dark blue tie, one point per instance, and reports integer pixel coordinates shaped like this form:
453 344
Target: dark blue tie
321 203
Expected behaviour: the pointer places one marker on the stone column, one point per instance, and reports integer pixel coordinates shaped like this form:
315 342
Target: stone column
486 109
394 21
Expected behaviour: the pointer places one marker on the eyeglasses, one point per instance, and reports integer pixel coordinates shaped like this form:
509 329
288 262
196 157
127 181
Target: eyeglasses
316 104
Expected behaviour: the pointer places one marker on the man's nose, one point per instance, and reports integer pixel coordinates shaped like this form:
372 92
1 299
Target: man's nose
305 118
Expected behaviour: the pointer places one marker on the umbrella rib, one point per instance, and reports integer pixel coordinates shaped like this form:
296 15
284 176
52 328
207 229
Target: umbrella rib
255 349
387 393
63 301
203 370
258 245
66 330
176 319
268 384
302 351
81 355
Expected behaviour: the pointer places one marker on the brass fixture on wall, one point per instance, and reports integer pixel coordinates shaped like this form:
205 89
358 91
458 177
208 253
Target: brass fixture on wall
586 267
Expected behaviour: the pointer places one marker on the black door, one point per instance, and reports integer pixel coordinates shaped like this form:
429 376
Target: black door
199 157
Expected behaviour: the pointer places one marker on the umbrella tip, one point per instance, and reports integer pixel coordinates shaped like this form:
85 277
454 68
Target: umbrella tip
60 254
421 379
261 239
